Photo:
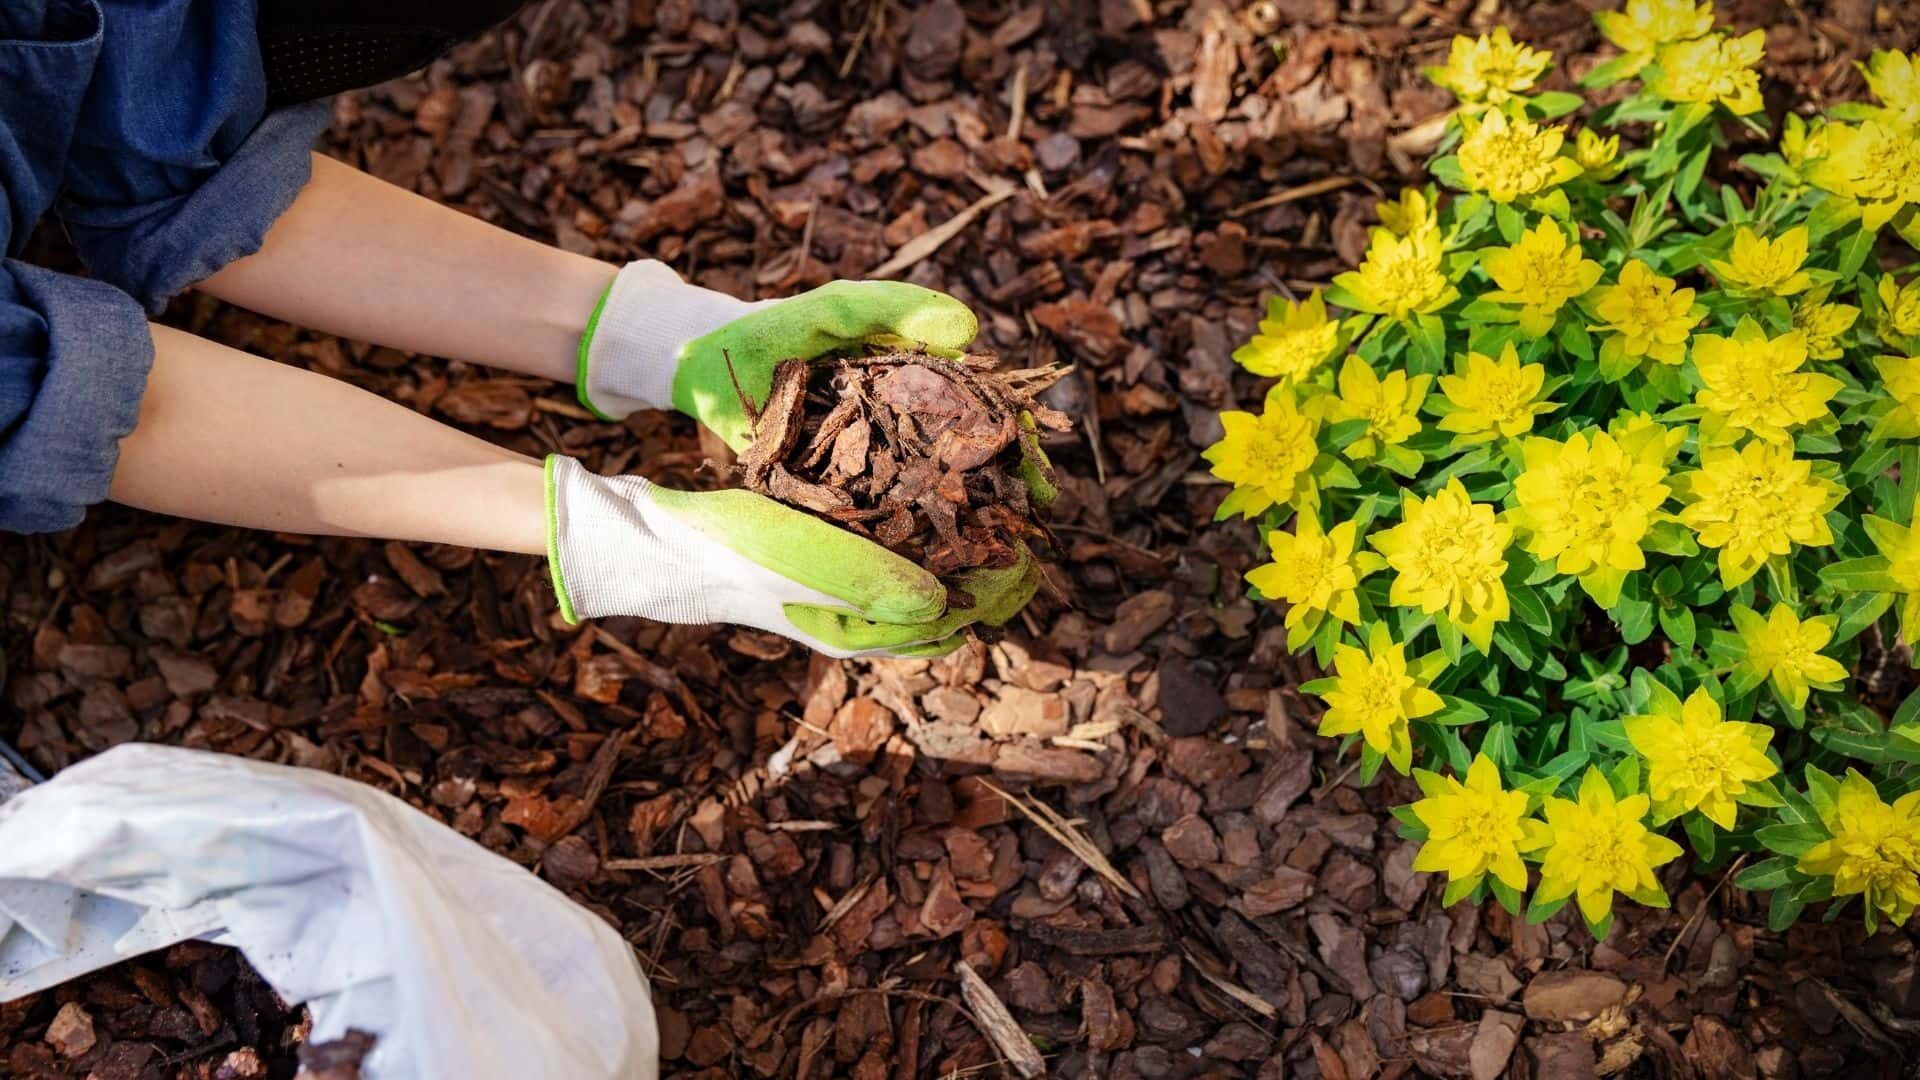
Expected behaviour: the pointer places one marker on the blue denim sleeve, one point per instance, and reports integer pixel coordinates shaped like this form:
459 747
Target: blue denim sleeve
74 353
176 168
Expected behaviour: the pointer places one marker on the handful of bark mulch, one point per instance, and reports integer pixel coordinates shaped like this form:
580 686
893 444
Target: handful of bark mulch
936 459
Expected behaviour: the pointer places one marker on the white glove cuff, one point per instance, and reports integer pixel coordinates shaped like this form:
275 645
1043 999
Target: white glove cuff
649 575
632 348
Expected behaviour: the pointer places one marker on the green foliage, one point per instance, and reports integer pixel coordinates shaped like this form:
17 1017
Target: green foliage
1603 440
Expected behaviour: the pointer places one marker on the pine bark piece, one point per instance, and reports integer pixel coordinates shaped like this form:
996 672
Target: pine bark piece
998 1024
778 428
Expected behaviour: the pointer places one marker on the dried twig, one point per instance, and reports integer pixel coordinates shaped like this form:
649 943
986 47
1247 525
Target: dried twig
1068 835
1294 194
933 239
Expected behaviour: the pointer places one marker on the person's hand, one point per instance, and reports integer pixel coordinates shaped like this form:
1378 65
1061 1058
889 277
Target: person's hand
659 342
624 546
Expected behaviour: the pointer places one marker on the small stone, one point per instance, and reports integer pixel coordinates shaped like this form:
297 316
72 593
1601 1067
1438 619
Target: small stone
1493 1043
1057 152
1573 994
71 1032
1019 711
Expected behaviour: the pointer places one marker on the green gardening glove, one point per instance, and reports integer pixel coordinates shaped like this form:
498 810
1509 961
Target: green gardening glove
659 342
624 546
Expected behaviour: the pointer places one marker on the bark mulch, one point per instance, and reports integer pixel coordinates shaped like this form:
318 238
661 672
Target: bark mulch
1114 829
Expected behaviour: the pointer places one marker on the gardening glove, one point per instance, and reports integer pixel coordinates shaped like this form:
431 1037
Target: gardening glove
659 342
624 546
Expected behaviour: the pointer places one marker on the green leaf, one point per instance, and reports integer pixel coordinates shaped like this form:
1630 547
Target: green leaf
1677 623
1700 833
1853 253
1538 912
1790 840
1458 889
1510 221
1635 619
1878 748
1859 612
1766 874
1613 71
1783 911
1860 575
1554 104
1509 897
1530 610
1456 712
1429 344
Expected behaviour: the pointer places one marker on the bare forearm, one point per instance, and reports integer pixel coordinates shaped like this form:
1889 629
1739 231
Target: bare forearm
361 258
235 439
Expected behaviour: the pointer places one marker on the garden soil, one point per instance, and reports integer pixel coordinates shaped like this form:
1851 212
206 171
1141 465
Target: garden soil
1114 829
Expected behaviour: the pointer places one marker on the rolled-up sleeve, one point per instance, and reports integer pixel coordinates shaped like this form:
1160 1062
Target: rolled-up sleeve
74 353
177 168
143 125
74 356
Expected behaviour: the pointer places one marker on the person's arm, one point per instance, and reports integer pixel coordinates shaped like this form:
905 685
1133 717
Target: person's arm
228 437
361 258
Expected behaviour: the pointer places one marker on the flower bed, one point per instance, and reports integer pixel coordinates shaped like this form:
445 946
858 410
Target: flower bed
1592 484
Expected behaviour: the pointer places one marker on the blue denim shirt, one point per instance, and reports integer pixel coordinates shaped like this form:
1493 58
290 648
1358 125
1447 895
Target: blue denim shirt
141 125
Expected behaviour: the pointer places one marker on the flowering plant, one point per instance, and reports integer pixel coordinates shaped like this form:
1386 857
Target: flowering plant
1593 485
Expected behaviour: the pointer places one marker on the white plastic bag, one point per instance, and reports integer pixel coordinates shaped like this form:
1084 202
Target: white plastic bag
376 916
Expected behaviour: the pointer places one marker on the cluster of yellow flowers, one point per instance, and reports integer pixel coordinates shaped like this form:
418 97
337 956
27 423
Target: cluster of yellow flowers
1516 395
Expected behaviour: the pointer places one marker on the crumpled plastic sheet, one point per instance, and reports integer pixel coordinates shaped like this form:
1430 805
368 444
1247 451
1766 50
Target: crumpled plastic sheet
375 915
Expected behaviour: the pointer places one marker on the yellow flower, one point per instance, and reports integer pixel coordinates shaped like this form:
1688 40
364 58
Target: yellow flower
1901 547
1765 267
1267 458
1586 503
1803 141
1509 159
1756 502
1824 325
1490 69
1754 383
1390 406
1376 693
1647 316
1901 374
1697 760
1293 339
1600 157
1785 649
1540 273
1899 310
1599 846
1316 573
1894 78
1491 398
1874 850
1872 163
1628 427
1474 829
1643 26
1448 553
1401 276
1716 68
1411 214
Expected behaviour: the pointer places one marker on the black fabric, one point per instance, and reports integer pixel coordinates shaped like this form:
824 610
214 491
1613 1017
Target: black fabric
315 48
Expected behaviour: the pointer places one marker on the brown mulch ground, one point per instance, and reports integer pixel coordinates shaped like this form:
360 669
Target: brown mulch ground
1179 879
